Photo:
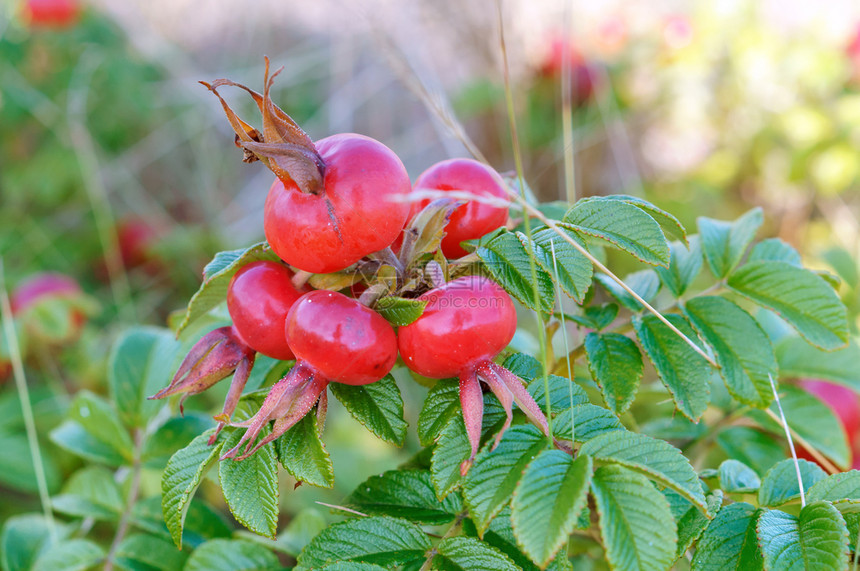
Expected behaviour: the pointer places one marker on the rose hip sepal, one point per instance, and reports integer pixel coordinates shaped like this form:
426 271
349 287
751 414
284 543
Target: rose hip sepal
335 339
333 202
465 324
216 356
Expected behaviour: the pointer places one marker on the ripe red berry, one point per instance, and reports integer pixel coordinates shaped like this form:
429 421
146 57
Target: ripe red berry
137 239
351 217
259 297
473 219
465 324
844 403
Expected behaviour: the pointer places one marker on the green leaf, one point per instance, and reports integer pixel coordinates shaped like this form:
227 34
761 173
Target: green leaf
379 540
90 492
623 225
811 419
216 278
685 373
547 502
616 365
800 297
181 478
684 266
818 539
724 243
451 450
250 487
494 476
400 311
406 494
100 421
667 221
779 485
738 478
645 283
730 542
635 521
657 459
740 345
72 437
140 364
24 538
16 464
507 259
441 405
842 486
774 250
146 553
201 523
70 555
693 522
799 359
302 452
174 434
590 421
467 553
524 366
563 393
306 525
595 317
230 555
378 406
750 446
569 267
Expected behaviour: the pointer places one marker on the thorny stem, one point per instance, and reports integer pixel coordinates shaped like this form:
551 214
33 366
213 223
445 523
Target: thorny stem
518 161
455 527
26 405
122 528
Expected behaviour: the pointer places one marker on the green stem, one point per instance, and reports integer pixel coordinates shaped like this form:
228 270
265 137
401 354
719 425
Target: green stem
122 527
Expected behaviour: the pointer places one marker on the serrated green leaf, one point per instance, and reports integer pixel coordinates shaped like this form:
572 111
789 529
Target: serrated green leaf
567 265
302 453
494 476
740 345
693 522
24 537
216 278
174 434
818 539
800 297
201 523
70 555
379 540
635 522
463 553
780 485
16 463
90 492
684 266
351 566
181 478
140 363
589 420
100 421
730 542
656 459
623 225
616 365
507 259
523 365
250 486
139 552
561 391
72 437
842 486
547 502
752 447
686 374
738 478
774 250
645 283
799 359
441 405
811 419
378 406
406 494
230 555
724 243
400 311
595 317
667 221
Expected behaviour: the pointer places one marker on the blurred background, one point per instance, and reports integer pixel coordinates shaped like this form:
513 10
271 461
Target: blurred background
117 169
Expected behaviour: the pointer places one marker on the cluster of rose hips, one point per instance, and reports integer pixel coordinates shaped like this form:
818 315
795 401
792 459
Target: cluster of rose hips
338 205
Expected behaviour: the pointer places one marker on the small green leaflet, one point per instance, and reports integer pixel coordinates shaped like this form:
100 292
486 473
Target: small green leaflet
799 359
774 250
508 260
738 478
842 486
24 536
400 311
574 269
216 278
816 540
667 221
590 421
231 554
616 365
754 448
693 522
799 296
378 406
730 542
684 266
779 485
98 418
141 551
250 486
441 405
724 243
90 492
645 283
635 521
70 555
302 453
623 225
407 494
463 553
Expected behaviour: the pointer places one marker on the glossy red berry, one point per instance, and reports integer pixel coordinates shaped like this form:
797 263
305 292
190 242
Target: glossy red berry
340 338
258 299
473 219
354 214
